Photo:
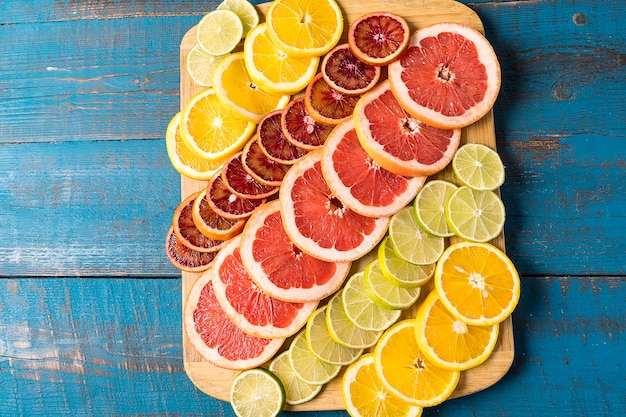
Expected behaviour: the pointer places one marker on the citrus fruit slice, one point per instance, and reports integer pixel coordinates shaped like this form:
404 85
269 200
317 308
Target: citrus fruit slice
317 222
200 65
308 367
185 160
235 88
447 341
323 346
227 204
216 337
244 10
186 230
279 268
343 330
449 76
406 371
186 259
384 292
273 141
400 271
327 105
475 215
358 181
364 394
362 310
211 224
478 166
396 140
260 166
378 38
272 69
248 307
242 184
344 72
257 393
430 207
219 32
305 27
211 129
411 242
477 283
297 391
300 128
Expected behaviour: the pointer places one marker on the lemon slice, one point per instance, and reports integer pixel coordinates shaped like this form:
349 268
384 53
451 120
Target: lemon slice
410 241
201 65
308 367
296 390
384 292
475 215
362 310
430 205
244 10
321 343
478 166
257 392
401 272
219 32
343 330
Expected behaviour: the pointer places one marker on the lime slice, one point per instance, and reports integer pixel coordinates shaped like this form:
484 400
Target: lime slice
384 292
296 390
477 216
246 12
201 65
430 206
321 343
402 273
308 367
343 330
411 242
478 166
219 32
257 392
362 310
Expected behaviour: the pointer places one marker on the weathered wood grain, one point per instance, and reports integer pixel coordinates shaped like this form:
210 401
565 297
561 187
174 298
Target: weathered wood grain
114 347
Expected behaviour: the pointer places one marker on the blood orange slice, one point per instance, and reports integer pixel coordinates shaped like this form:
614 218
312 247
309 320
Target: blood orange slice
378 38
184 258
318 222
186 230
344 72
253 311
300 128
273 141
327 105
358 181
280 268
212 224
242 184
260 166
216 337
448 77
227 204
396 140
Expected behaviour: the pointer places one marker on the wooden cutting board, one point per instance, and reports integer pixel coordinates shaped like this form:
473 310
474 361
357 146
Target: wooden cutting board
215 381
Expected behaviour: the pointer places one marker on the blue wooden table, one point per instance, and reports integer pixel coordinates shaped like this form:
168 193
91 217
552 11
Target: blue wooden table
90 307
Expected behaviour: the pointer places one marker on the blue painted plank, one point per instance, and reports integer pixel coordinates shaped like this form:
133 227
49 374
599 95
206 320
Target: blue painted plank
114 347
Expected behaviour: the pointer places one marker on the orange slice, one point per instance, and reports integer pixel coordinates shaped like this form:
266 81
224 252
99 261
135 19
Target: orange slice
210 223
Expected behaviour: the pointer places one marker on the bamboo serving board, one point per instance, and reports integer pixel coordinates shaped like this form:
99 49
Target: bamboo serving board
216 381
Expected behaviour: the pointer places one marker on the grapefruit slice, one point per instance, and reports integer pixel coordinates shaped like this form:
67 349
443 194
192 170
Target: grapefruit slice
318 222
396 140
358 181
253 311
448 77
216 337
279 268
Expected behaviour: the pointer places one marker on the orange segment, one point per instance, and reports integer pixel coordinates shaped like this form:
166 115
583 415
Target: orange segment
305 27
405 370
448 342
212 129
477 283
